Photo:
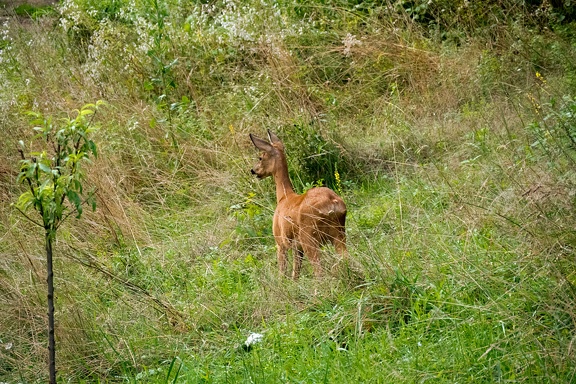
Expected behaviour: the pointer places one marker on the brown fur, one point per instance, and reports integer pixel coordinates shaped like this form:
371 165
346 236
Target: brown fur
301 222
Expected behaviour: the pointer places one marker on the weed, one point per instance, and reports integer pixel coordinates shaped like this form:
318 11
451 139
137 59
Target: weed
316 160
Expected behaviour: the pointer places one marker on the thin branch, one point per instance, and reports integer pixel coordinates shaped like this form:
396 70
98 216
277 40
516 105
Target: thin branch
58 158
29 218
92 117
41 206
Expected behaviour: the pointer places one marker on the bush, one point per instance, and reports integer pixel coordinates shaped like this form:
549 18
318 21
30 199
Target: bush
316 158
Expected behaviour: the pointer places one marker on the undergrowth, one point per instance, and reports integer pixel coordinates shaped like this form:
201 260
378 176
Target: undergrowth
448 128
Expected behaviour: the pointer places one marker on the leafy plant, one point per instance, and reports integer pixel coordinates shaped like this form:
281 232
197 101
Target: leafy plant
253 222
565 118
315 159
555 132
54 180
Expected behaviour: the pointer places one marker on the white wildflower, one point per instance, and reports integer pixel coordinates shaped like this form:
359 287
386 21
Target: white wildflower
349 42
253 338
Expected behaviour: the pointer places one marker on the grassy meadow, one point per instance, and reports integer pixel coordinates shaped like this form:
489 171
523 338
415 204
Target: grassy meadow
448 127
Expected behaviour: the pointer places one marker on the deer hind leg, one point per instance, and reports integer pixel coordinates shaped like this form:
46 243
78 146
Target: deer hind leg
335 234
311 247
298 256
339 242
313 253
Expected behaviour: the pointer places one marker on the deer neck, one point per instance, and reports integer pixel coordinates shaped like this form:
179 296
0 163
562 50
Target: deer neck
282 180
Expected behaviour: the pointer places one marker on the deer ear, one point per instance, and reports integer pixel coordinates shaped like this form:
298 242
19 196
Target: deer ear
261 144
273 138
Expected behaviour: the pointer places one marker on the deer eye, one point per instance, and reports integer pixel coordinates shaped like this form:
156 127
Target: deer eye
260 158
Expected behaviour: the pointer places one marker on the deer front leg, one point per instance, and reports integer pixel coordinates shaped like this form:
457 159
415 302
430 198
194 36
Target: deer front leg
281 254
282 243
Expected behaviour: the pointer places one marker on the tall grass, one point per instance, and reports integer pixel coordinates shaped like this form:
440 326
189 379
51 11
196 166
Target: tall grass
452 135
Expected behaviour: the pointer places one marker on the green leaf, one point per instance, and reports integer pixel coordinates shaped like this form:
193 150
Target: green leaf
31 171
44 168
56 212
92 147
74 199
47 184
33 114
77 185
21 177
173 63
25 201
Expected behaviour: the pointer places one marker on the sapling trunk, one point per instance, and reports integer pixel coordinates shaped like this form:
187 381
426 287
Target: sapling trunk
50 283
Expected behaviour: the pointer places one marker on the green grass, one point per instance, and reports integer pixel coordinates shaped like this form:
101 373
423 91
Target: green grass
455 154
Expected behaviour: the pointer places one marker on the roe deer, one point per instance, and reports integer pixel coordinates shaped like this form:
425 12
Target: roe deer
301 222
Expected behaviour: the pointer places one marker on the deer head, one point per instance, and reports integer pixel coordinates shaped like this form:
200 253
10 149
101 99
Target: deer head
271 156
